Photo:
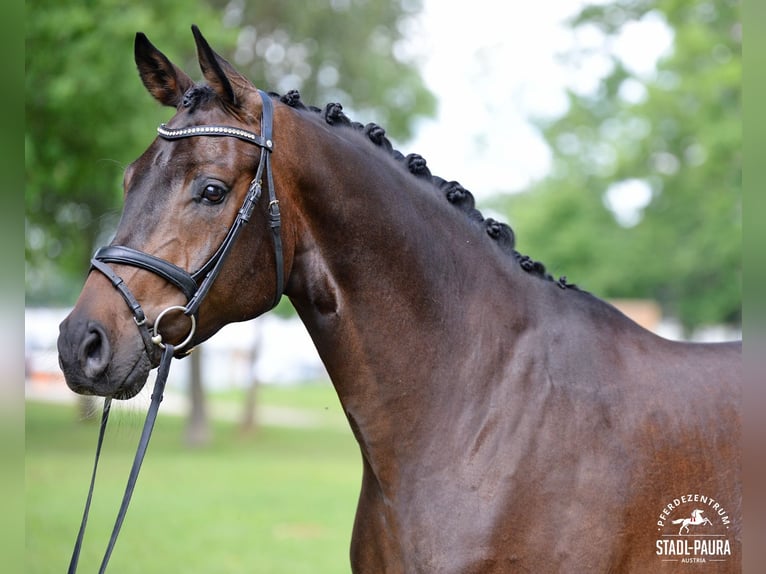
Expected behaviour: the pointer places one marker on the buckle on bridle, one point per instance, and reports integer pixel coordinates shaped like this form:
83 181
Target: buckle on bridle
274 215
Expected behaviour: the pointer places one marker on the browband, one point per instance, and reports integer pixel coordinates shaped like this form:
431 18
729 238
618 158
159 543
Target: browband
177 133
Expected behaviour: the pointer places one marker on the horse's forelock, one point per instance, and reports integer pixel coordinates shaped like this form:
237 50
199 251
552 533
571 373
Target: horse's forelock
196 96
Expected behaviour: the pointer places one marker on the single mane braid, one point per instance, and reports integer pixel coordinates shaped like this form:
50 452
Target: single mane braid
416 164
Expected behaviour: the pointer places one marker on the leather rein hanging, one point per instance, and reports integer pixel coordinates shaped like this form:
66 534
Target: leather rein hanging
195 286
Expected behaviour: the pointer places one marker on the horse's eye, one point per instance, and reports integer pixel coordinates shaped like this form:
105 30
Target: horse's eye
213 194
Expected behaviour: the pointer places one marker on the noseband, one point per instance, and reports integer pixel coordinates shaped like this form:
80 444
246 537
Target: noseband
195 286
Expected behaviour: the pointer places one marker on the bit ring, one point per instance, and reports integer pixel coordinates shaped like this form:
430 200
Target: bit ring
157 338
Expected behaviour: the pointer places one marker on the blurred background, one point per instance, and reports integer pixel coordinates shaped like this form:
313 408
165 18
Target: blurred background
607 134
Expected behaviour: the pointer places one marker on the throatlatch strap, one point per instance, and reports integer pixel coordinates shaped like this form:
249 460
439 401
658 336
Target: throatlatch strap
143 443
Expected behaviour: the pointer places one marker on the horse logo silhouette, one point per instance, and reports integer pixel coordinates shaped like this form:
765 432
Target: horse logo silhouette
696 520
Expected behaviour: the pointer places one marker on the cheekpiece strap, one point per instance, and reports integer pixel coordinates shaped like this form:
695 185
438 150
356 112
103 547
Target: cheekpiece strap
205 276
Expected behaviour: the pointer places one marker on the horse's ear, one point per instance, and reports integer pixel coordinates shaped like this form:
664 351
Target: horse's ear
225 80
166 82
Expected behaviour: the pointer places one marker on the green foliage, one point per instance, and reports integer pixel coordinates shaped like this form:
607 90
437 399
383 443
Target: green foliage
348 51
88 115
679 133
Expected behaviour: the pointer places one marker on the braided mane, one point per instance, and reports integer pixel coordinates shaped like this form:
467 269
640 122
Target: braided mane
454 192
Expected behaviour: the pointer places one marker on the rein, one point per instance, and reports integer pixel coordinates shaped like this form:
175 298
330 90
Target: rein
195 286
143 443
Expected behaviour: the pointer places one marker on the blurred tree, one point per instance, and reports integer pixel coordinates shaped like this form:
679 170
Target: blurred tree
350 51
88 116
644 196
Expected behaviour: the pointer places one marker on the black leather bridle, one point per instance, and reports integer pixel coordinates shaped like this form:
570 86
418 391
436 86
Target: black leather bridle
196 285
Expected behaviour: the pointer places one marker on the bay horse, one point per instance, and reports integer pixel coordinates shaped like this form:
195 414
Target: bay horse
507 422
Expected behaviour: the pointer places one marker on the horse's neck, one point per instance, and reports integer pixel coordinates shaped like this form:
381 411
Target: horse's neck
399 291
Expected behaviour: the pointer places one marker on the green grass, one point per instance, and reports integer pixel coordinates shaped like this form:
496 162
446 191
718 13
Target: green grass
316 401
280 501
319 395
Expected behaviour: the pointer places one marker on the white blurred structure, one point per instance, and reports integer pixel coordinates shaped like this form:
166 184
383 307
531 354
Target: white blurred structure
285 353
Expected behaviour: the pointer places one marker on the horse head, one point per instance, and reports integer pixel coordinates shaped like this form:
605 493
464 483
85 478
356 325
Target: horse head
182 245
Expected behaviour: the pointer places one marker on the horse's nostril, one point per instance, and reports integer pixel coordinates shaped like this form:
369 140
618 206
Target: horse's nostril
92 346
94 351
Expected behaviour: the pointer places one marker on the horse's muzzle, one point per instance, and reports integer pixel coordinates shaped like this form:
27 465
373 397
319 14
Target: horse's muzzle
90 365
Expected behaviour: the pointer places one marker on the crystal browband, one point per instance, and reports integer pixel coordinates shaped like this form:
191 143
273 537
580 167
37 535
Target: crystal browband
172 134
